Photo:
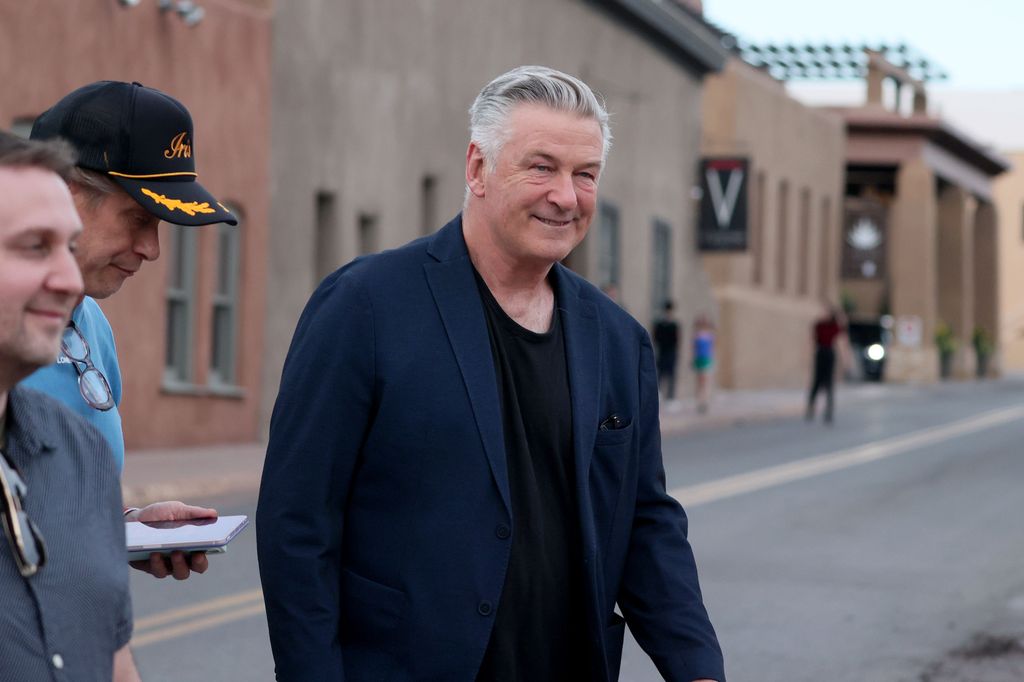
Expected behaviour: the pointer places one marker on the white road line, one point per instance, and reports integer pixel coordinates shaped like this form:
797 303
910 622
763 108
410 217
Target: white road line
703 493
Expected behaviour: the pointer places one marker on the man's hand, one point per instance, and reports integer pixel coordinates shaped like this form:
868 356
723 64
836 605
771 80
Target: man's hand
177 564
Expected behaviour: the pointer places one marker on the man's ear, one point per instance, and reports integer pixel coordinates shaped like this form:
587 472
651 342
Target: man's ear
476 169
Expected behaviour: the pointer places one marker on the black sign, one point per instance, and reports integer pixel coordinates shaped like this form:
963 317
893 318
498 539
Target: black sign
722 225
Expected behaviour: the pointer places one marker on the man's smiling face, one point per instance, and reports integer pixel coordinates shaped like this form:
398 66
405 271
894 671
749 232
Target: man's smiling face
541 195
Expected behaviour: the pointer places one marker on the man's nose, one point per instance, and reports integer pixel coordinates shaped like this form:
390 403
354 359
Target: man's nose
563 192
65 277
147 242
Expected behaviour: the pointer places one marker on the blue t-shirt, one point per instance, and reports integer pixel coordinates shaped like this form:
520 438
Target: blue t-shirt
60 380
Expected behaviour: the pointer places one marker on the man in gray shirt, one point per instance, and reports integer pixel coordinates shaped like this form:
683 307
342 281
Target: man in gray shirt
65 609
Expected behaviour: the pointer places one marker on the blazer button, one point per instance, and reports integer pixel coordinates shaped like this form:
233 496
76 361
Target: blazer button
485 608
503 531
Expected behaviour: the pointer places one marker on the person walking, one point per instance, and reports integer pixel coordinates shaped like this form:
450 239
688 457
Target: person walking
703 360
464 475
827 334
666 338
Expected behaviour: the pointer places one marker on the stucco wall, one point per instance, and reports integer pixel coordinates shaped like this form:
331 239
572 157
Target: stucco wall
767 307
1008 194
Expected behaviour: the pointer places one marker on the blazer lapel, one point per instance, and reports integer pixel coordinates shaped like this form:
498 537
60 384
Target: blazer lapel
455 293
583 356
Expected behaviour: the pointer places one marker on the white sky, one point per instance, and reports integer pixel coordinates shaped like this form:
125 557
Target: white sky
978 43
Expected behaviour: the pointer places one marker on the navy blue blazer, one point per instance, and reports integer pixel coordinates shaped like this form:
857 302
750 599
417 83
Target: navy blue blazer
384 514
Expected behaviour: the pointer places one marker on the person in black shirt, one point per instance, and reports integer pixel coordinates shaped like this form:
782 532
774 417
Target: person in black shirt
666 345
464 473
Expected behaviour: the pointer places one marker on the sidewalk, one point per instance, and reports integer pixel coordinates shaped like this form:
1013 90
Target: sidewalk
199 474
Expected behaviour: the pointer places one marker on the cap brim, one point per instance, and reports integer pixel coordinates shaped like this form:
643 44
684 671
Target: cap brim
176 201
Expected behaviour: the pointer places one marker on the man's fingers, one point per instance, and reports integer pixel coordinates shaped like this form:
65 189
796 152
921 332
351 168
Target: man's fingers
179 565
199 562
156 566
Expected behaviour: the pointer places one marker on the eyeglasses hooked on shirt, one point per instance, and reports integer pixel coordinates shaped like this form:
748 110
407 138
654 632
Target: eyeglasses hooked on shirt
91 383
23 536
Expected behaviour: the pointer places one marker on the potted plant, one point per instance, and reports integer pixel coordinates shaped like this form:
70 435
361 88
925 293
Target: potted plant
946 343
983 347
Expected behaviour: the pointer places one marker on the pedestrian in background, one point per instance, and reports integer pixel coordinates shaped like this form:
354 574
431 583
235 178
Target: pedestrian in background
703 359
464 477
135 167
65 608
666 336
827 333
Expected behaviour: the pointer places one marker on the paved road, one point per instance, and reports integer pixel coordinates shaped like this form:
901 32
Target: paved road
870 550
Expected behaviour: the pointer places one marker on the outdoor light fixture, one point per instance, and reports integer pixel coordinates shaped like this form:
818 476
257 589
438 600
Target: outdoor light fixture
190 13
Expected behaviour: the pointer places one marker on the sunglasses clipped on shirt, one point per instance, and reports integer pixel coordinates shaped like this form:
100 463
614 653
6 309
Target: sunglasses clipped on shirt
91 383
23 536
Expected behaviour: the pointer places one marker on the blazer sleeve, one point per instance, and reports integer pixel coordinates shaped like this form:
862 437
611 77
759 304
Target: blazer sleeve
660 594
322 413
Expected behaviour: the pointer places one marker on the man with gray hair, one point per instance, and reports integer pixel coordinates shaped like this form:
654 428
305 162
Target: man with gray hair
464 473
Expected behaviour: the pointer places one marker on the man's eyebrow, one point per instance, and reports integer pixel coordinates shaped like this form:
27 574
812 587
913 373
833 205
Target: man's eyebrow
596 163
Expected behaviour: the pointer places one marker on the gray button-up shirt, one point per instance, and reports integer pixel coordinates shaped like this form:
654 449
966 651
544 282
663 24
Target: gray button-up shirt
66 622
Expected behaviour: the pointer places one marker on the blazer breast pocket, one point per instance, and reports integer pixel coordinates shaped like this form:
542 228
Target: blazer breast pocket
614 436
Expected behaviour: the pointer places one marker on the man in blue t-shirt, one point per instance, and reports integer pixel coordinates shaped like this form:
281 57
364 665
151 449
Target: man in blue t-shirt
135 167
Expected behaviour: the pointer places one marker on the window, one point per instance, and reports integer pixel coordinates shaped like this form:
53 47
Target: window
181 286
661 267
826 246
804 246
757 231
367 234
224 350
326 237
608 254
781 230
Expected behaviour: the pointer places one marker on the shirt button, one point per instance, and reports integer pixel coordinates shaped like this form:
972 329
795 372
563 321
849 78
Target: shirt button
58 661
484 609
503 531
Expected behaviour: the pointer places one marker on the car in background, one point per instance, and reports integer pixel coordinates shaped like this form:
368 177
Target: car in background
869 341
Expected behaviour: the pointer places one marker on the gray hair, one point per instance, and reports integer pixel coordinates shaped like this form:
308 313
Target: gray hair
488 117
96 186
51 155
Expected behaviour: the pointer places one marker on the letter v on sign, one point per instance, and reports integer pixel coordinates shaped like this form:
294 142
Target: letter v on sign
724 201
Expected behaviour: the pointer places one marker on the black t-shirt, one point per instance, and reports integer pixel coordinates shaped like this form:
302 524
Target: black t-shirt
666 336
540 629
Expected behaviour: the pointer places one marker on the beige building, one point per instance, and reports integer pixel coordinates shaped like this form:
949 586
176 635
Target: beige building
1009 200
370 128
189 327
919 229
769 294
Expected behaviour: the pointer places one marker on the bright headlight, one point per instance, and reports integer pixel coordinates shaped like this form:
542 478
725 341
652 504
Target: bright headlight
876 352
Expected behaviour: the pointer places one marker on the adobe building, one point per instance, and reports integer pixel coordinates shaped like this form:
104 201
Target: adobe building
370 128
189 327
920 228
771 286
1009 201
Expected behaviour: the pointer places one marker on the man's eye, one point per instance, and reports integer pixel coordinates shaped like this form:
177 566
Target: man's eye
37 246
542 168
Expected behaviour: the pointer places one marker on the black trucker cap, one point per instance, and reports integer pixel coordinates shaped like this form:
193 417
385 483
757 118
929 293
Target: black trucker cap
141 139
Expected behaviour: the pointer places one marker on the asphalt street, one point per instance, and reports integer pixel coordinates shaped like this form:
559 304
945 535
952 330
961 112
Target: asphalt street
886 547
